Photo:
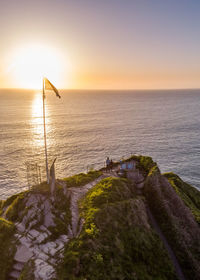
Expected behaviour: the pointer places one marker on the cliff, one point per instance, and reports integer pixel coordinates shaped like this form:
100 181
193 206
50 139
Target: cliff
102 226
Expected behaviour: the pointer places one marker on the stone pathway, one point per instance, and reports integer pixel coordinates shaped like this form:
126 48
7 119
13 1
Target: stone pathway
17 268
33 244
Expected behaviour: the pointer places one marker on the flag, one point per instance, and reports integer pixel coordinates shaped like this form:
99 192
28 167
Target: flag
49 86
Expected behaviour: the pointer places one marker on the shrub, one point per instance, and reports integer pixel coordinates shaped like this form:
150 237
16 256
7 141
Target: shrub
17 205
82 178
147 163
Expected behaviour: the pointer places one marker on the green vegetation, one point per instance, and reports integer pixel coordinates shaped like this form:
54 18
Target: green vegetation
189 195
9 200
7 230
144 163
42 188
117 241
6 203
147 163
82 178
16 206
1 206
107 191
27 272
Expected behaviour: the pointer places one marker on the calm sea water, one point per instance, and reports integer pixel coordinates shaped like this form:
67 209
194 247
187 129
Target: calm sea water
83 127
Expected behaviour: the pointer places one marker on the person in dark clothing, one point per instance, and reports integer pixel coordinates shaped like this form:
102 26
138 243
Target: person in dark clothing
107 164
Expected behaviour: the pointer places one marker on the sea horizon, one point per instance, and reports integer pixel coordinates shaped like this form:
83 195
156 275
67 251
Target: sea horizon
107 89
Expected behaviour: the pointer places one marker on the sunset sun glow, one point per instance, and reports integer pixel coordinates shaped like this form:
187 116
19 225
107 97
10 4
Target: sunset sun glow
31 63
100 44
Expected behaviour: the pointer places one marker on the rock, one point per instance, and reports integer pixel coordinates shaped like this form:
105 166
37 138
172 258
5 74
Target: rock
44 248
48 216
41 237
42 256
32 223
43 228
64 238
60 246
33 233
15 274
52 251
25 241
20 227
18 266
45 256
17 236
32 200
23 254
43 270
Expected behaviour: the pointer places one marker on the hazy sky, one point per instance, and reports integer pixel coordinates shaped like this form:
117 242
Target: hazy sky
100 43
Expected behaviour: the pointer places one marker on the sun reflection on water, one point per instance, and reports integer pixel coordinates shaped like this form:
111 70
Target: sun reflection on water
37 120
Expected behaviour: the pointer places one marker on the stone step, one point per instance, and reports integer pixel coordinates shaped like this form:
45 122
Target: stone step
23 254
18 266
15 274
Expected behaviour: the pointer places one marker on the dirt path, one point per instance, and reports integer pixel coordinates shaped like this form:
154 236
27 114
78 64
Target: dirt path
172 256
76 195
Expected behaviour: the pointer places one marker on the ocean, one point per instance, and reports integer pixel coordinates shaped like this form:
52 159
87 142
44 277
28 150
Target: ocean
84 127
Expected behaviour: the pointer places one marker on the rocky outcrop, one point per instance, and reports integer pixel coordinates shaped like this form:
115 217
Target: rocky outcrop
176 221
38 246
44 224
99 226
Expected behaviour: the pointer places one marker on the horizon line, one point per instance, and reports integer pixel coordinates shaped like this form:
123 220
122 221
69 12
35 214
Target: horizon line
103 89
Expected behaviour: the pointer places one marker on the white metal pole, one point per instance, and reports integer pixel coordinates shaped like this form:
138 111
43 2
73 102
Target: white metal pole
45 138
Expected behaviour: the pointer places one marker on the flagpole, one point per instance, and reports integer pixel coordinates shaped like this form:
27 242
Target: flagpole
45 137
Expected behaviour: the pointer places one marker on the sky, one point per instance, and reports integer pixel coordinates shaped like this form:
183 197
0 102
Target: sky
100 44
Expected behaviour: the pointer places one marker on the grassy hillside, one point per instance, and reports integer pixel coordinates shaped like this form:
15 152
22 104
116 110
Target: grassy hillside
117 241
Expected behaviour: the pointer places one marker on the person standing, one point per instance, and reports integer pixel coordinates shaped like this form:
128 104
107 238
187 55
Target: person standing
107 163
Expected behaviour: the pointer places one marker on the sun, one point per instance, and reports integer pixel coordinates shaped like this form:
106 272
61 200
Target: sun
32 62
